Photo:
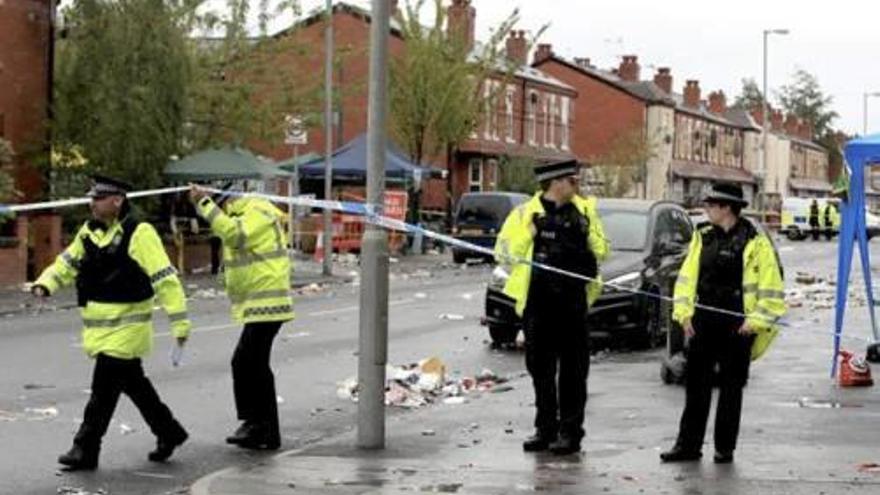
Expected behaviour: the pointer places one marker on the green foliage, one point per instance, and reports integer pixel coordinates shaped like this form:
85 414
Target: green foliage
122 76
805 99
623 165
517 174
750 96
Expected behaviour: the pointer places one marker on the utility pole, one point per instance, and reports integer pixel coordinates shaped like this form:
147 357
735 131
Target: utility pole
762 182
865 111
373 346
328 137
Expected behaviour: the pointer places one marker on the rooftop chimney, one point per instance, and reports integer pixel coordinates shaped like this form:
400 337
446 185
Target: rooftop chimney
583 62
663 79
792 125
805 130
544 51
517 48
717 102
629 68
776 120
461 21
692 93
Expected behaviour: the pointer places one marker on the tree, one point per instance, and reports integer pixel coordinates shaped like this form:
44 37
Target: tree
624 165
438 94
750 96
122 77
517 174
805 99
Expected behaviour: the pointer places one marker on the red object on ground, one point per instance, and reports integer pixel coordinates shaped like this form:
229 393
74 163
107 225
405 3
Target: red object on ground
854 371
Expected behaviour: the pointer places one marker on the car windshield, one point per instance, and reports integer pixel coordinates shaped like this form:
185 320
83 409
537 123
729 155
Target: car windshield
491 209
626 230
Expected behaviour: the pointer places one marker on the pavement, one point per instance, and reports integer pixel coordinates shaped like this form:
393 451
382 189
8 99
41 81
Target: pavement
800 434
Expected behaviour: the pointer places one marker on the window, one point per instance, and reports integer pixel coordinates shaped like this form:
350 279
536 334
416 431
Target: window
492 172
531 117
553 113
547 121
565 130
672 227
494 109
508 112
487 102
475 175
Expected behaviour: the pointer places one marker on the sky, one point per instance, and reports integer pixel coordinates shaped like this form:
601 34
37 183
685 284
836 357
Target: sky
716 43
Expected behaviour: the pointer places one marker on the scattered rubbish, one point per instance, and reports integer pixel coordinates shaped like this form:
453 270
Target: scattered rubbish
422 274
209 293
454 401
428 433
467 296
854 371
192 286
161 476
869 467
69 490
312 288
124 429
420 295
451 316
627 477
508 431
40 413
810 403
36 386
805 278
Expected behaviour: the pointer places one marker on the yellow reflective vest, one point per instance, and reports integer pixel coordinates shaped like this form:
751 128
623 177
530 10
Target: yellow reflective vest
255 257
763 290
831 213
516 242
123 330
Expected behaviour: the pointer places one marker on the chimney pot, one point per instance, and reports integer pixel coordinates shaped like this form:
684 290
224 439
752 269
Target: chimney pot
461 21
663 79
692 93
517 48
544 51
717 102
629 68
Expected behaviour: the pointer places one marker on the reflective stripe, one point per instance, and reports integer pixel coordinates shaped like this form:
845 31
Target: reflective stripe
70 260
163 273
771 294
253 296
115 322
173 317
213 213
268 310
254 258
242 239
769 315
750 287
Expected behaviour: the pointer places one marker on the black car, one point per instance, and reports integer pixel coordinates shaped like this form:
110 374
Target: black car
478 219
649 241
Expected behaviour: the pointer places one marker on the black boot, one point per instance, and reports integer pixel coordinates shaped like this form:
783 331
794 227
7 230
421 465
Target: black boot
538 442
242 433
679 454
79 458
259 436
723 457
165 446
565 446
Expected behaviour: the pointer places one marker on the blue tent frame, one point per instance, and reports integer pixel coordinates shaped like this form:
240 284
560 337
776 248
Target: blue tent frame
860 154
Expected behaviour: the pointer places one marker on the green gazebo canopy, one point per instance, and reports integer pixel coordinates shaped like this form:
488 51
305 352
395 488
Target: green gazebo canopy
223 164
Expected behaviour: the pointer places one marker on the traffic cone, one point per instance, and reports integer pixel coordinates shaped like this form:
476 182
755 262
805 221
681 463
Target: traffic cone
854 371
319 248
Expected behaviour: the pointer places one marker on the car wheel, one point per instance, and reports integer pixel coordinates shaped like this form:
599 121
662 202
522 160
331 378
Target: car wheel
502 335
655 325
459 256
793 235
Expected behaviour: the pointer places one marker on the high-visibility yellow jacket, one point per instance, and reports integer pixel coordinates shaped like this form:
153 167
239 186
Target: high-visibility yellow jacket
833 216
516 242
255 257
763 290
123 330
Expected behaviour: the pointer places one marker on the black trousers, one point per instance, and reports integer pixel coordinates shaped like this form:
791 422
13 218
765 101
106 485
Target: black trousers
112 377
252 378
558 359
715 343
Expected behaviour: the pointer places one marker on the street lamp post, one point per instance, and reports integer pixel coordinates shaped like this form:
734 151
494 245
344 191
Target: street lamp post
765 117
865 111
328 137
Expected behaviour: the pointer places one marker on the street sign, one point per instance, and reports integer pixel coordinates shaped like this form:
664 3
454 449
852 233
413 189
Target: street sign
295 130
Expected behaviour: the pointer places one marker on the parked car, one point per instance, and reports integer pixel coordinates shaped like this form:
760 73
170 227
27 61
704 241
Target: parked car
478 219
649 241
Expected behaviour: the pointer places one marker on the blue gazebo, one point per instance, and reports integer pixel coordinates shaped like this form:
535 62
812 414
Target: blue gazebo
860 154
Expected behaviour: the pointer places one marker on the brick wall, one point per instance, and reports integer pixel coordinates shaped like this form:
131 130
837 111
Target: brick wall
13 258
45 233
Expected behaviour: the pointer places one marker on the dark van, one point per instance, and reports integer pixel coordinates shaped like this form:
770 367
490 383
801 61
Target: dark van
479 217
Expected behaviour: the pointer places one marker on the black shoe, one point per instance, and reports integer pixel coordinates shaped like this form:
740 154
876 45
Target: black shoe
165 447
242 433
678 454
723 457
256 436
538 443
565 446
78 458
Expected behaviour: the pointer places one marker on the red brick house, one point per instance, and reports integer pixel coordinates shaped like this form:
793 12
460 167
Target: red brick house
532 118
28 243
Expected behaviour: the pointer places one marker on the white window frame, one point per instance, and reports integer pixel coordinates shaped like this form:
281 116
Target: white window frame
546 121
553 112
509 95
565 129
475 164
533 101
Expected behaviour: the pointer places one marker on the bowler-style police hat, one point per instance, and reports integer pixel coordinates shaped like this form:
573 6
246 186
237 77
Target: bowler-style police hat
556 170
107 186
726 193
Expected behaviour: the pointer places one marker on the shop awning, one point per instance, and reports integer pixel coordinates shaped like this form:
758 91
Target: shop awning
693 170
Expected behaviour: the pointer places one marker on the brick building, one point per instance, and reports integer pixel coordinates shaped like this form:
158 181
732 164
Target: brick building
533 116
27 243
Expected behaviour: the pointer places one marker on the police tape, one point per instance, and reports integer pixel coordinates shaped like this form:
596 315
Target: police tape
372 213
63 203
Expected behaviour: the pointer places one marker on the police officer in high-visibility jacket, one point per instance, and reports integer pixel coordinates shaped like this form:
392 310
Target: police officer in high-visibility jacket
731 266
557 227
257 268
830 219
119 265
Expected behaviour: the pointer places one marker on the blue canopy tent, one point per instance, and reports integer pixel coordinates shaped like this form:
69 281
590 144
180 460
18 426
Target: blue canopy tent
860 154
349 163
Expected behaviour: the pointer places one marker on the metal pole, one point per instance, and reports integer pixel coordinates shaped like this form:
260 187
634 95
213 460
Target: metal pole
292 211
764 141
373 348
328 137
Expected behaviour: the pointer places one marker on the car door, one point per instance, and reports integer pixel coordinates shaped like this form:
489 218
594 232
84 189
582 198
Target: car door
671 234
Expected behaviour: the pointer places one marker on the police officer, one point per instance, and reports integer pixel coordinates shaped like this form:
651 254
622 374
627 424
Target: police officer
257 267
830 219
559 228
732 266
814 219
119 265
